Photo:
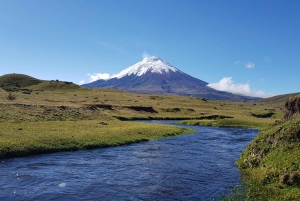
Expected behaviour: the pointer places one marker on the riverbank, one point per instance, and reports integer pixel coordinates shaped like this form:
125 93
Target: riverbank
199 166
270 164
230 122
60 116
30 138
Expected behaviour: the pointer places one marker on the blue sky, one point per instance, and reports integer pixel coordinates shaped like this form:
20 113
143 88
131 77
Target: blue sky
234 45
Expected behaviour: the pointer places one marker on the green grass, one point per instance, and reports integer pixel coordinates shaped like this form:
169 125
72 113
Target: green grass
54 85
271 163
17 81
52 116
28 138
280 99
51 104
232 122
123 103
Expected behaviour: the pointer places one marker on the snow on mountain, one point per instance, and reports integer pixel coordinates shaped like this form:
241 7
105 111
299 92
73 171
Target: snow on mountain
154 76
152 64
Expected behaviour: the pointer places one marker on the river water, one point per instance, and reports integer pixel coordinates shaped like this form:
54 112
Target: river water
198 166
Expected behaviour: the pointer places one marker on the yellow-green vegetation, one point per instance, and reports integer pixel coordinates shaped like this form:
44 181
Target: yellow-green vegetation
271 163
56 100
13 82
246 115
234 122
27 138
48 116
280 99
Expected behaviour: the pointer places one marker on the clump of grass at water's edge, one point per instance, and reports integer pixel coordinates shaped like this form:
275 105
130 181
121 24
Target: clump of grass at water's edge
234 122
270 164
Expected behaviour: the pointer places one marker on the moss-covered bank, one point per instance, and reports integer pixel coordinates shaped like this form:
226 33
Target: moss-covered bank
271 162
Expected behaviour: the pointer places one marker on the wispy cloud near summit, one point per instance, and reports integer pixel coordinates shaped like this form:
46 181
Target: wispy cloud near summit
146 55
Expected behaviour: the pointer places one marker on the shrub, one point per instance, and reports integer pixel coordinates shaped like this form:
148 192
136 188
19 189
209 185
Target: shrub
291 179
11 96
26 91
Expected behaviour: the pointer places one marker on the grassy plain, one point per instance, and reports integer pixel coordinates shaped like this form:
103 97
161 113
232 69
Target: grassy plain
52 116
27 138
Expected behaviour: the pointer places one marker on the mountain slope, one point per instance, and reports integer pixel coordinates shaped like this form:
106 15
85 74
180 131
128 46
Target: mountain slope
155 76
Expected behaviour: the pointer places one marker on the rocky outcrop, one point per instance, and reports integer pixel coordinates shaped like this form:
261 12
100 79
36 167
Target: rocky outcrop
293 107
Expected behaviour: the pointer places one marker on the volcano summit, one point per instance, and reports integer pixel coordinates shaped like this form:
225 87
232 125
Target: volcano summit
154 76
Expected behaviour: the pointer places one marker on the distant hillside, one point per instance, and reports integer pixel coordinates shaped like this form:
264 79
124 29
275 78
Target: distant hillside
280 99
21 82
12 82
53 85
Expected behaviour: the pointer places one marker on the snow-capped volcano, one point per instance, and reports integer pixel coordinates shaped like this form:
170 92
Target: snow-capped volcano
152 65
154 76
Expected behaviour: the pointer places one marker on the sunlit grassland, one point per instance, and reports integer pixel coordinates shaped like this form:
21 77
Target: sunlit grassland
164 106
55 116
246 121
271 163
27 138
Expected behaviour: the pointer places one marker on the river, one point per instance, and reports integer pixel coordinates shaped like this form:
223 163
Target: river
198 166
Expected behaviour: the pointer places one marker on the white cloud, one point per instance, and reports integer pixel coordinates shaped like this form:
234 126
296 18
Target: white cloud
98 76
81 82
249 65
227 84
237 62
146 55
